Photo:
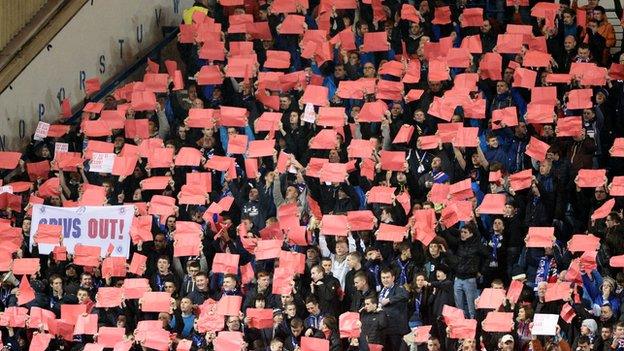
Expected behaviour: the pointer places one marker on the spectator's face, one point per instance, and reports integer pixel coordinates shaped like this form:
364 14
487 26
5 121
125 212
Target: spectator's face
435 163
233 323
286 299
293 118
26 226
583 53
350 262
435 86
86 280
369 306
493 142
263 282
191 270
521 314
498 225
260 303
465 234
606 312
419 116
598 16
605 333
541 290
568 19
82 296
327 266
339 72
186 305
312 308
600 193
342 248
414 28
360 284
387 279
420 281
291 310
363 28
545 168
501 87
316 274
469 345
201 282
277 345
163 265
569 43
170 287
164 318
583 347
229 284
507 77
296 331
507 346
434 250
369 70
588 115
159 242
486 27
284 103
433 345
57 285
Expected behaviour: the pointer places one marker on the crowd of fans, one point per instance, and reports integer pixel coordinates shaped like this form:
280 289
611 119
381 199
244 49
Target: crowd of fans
358 175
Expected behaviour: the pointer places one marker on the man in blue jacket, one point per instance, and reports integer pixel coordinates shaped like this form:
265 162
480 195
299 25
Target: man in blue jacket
393 301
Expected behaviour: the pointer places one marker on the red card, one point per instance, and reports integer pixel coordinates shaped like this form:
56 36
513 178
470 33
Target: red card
493 204
491 298
229 305
260 318
138 263
375 41
361 220
569 127
156 302
537 149
225 263
88 256
540 237
109 336
348 325
389 232
442 15
604 210
466 137
268 249
515 289
583 242
335 225
498 322
114 267
591 178
392 160
314 344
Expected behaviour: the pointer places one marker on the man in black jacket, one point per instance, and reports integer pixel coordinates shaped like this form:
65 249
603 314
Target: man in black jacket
470 253
373 320
393 301
326 289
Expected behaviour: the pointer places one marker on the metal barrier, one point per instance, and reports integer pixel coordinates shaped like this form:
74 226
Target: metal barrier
169 33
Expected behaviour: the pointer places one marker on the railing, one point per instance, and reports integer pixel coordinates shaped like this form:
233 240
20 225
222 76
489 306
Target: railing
169 34
15 15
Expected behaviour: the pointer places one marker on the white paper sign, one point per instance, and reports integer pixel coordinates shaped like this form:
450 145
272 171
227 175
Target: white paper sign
308 114
545 324
102 162
60 147
42 130
6 189
87 225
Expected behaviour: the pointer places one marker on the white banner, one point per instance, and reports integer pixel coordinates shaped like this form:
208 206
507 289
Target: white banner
87 225
102 162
